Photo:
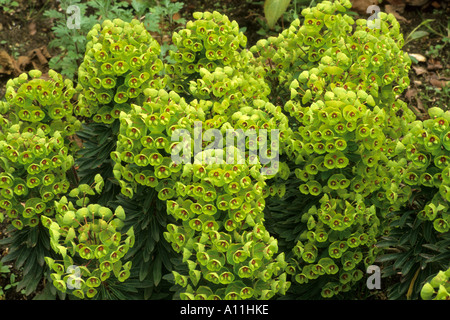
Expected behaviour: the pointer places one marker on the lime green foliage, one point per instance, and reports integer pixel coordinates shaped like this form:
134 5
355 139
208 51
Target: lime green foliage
41 104
37 158
345 143
72 42
437 288
324 52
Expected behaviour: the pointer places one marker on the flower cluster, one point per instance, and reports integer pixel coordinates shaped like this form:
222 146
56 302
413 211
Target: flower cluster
338 244
208 42
426 148
36 124
144 146
121 58
39 103
326 51
89 239
437 288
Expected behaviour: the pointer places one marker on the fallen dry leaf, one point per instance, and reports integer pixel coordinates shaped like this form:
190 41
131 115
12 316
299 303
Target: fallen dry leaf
434 64
398 5
41 53
438 83
32 28
410 94
420 107
360 6
23 61
36 58
417 107
436 5
8 65
176 16
419 70
418 57
391 9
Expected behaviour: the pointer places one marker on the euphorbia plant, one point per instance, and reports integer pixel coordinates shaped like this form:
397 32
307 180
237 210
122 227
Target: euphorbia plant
208 42
37 157
427 147
91 244
437 288
339 85
220 207
121 59
36 125
422 227
326 87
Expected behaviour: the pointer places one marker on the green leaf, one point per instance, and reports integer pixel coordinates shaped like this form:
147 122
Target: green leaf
390 257
333 70
116 268
74 192
139 6
120 213
70 234
427 292
274 9
157 275
195 276
418 34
